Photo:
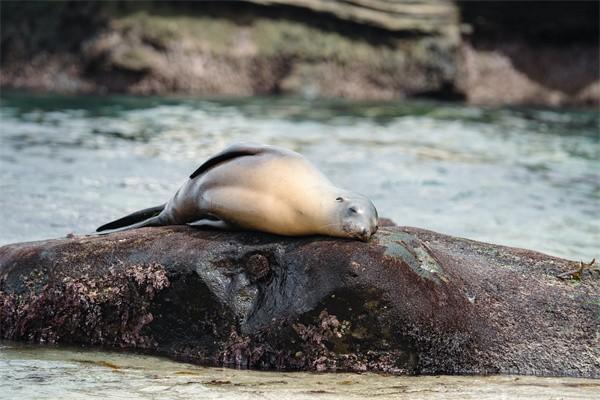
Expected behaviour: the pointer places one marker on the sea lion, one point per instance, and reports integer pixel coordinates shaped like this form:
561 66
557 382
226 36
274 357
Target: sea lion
262 188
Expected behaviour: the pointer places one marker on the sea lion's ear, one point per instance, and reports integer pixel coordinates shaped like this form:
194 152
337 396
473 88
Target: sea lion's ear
231 152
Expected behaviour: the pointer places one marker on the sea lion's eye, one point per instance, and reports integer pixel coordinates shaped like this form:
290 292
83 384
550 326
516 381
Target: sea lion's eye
353 210
340 199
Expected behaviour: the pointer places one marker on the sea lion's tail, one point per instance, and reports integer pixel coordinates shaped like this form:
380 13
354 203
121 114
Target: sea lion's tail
138 219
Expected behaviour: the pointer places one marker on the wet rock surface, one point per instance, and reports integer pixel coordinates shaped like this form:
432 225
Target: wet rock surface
409 301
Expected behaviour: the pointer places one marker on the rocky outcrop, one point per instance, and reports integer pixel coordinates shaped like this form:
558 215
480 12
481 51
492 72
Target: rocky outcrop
524 52
487 53
437 17
518 73
306 48
409 301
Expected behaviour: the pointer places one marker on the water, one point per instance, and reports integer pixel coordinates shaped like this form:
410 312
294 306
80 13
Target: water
520 177
62 373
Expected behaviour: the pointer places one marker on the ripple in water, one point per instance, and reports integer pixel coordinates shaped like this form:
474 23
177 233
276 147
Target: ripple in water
520 177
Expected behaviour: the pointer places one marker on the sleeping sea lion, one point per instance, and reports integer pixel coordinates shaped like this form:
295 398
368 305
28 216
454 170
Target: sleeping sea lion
262 188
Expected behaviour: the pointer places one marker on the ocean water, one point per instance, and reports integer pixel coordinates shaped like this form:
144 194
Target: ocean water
519 177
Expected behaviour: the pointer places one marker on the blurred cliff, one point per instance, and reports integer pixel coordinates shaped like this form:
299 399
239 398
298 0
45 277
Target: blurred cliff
484 52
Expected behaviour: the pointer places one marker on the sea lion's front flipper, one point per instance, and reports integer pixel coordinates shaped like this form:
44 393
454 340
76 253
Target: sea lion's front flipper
231 152
212 223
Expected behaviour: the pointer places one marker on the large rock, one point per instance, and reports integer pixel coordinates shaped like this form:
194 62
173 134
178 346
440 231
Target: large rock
419 16
409 301
493 52
365 49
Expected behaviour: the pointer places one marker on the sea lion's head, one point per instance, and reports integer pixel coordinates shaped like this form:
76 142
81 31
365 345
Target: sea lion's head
356 216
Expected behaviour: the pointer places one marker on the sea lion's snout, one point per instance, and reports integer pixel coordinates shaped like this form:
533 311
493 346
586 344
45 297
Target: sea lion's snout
361 231
366 233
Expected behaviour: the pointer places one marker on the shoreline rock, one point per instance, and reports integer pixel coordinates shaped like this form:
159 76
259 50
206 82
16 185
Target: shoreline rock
409 301
359 50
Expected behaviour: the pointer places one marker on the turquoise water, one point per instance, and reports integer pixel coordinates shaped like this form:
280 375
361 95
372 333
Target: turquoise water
520 177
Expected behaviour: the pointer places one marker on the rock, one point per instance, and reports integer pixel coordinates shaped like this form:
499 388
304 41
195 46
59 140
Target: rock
360 50
530 53
516 53
515 73
409 301
415 16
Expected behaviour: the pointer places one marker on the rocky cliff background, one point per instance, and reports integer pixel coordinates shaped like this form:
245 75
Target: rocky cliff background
541 53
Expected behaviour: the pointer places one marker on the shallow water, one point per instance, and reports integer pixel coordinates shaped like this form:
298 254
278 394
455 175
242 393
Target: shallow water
63 373
520 177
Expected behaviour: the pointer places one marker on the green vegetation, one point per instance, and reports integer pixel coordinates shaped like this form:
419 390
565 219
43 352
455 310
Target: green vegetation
163 31
263 37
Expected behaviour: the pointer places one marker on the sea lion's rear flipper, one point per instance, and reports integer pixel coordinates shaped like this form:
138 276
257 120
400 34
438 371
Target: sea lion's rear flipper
138 219
231 152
